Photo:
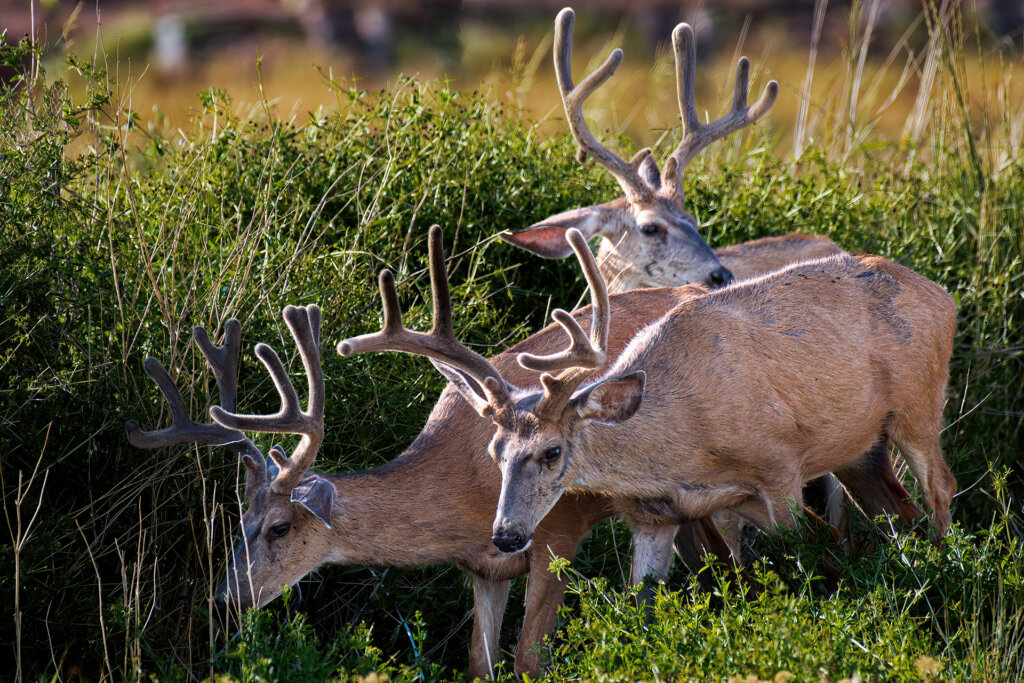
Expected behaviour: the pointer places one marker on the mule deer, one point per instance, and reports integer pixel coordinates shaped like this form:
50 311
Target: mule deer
809 367
389 515
648 237
649 243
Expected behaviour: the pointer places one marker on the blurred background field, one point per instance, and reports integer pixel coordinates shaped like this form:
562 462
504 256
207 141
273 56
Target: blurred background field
273 162
873 67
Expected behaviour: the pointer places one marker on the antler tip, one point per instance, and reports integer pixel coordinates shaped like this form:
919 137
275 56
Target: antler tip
344 348
151 365
576 239
295 315
565 15
221 416
682 31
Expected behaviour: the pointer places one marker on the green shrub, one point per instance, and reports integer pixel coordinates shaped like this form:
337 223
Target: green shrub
113 251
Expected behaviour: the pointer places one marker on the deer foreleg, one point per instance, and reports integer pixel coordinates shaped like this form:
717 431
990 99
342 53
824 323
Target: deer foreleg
489 598
652 557
543 597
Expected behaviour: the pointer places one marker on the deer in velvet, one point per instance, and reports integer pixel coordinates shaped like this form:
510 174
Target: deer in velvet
376 512
518 413
648 239
809 367
299 521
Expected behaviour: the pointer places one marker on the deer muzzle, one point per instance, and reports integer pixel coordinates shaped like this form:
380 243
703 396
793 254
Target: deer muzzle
509 540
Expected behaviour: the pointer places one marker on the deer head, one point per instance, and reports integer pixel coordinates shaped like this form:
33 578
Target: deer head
535 430
290 508
649 239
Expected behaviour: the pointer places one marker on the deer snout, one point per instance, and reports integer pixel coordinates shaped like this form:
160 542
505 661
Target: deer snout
720 277
509 541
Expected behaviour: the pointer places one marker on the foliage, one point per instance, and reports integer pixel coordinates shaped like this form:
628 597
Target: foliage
116 240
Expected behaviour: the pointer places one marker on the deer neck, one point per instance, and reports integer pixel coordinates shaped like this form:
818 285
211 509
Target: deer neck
428 505
618 271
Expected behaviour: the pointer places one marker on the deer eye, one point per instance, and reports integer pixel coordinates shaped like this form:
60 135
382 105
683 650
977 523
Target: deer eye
649 228
552 454
279 530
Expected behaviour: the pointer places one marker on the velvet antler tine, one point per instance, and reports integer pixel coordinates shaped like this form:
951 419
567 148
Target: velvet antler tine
600 323
697 136
158 373
440 343
304 323
389 303
441 295
684 46
223 360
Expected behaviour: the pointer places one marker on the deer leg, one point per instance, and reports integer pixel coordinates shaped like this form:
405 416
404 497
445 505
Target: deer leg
729 528
543 597
936 481
489 598
697 538
652 557
876 487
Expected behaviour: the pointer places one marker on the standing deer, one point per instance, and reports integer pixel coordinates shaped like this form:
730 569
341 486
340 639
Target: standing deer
648 239
751 391
298 520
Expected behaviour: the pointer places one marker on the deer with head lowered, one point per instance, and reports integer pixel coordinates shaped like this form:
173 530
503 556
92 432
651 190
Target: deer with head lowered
297 520
732 400
648 239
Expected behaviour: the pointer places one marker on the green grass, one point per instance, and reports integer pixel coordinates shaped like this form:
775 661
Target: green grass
114 254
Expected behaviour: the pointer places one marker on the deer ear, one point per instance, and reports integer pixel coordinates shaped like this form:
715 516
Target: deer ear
547 238
467 386
613 400
317 495
649 171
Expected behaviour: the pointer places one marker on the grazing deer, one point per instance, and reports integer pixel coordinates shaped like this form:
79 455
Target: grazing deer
751 391
298 520
648 237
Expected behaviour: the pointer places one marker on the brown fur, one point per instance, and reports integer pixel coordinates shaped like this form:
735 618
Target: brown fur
807 367
390 516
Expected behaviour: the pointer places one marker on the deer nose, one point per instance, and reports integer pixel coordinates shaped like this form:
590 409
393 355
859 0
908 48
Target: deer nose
508 541
720 277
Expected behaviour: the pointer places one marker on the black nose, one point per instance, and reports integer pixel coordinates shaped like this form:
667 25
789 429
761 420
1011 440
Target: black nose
508 541
720 278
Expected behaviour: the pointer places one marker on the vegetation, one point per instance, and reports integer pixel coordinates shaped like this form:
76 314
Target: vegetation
115 251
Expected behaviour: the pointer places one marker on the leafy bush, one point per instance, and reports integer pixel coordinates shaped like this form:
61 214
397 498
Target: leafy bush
117 240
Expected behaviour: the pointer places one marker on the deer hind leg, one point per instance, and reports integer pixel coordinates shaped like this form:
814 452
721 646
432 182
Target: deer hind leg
924 456
696 538
489 599
874 484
